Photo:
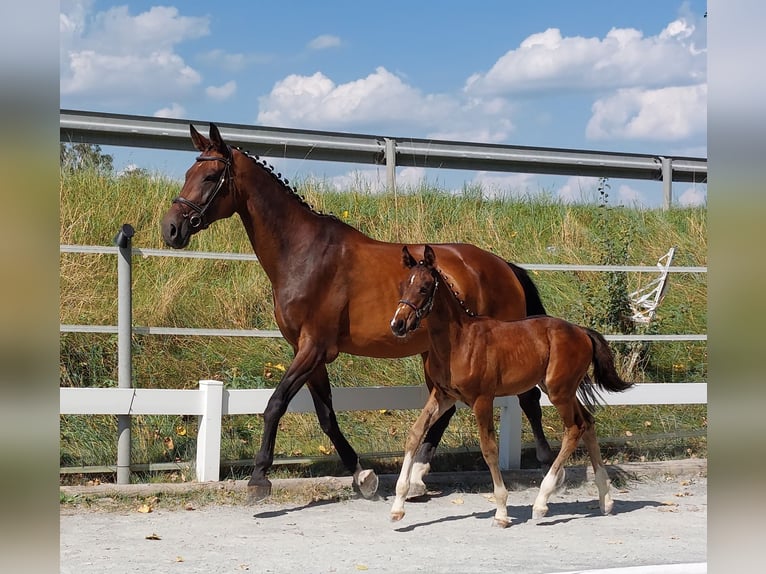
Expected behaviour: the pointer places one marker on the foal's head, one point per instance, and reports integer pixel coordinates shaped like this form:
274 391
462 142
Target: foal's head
206 195
417 292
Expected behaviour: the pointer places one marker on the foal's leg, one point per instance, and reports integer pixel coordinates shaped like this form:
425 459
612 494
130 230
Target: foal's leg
573 429
437 403
422 460
482 410
306 360
605 501
365 481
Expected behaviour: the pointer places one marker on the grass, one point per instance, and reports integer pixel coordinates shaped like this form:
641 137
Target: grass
231 294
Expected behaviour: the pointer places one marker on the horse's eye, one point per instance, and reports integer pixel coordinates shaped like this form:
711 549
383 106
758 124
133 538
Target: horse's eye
424 291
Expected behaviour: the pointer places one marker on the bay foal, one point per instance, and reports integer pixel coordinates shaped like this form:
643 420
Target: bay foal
475 359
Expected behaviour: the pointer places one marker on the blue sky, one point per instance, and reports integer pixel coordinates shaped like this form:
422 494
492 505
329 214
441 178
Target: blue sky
601 75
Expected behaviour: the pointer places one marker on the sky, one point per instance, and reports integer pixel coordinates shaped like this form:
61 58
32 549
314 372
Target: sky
592 75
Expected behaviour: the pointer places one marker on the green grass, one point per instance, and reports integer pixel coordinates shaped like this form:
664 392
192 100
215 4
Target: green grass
175 292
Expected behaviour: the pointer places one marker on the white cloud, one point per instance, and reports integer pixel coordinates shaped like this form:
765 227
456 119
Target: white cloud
173 111
316 101
324 41
662 114
693 196
223 92
548 61
114 53
630 197
382 99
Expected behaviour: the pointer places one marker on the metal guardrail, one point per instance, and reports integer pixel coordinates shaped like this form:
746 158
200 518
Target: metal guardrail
173 134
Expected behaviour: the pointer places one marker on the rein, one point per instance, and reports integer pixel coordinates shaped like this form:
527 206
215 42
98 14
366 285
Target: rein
197 218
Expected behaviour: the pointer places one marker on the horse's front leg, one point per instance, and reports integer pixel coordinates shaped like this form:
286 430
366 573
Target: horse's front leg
365 481
437 404
482 410
304 363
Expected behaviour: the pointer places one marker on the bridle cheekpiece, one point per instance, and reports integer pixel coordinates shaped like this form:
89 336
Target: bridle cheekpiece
197 214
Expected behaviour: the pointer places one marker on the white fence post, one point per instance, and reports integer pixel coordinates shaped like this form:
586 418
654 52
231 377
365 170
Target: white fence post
509 438
209 434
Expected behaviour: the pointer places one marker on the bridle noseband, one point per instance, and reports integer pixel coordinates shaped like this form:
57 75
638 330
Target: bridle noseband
197 218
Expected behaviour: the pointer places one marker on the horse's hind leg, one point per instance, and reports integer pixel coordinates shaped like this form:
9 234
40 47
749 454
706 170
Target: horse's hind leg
436 405
573 429
365 481
482 410
529 401
605 501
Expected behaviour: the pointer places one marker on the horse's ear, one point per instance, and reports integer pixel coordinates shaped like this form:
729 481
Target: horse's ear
217 141
407 259
429 256
200 141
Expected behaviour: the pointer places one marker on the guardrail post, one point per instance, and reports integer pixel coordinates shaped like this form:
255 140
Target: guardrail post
509 438
390 165
123 240
667 182
209 434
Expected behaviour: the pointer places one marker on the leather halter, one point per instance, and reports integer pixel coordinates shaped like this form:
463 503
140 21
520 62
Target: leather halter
196 216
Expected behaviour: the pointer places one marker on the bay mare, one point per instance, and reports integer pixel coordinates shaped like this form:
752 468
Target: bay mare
328 296
475 359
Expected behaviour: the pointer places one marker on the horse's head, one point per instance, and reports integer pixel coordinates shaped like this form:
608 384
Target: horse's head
207 194
417 292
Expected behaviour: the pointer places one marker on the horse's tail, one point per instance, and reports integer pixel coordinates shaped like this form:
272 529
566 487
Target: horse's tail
531 294
604 372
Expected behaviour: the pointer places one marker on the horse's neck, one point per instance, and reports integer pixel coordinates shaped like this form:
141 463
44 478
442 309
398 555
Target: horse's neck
447 315
280 225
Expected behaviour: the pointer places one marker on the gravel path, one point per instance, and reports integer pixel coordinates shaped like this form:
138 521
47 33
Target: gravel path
658 519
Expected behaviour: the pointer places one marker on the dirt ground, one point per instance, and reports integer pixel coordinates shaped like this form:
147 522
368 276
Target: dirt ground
660 517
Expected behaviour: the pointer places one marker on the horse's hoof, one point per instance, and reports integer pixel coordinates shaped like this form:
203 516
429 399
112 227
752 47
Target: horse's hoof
538 513
501 522
397 516
367 483
417 489
258 492
607 507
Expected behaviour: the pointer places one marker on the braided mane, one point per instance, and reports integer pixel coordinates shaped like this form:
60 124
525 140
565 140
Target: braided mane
263 164
451 286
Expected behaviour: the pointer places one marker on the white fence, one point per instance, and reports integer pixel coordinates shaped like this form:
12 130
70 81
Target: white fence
212 401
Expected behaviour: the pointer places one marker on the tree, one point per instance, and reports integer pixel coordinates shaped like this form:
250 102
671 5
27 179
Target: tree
81 156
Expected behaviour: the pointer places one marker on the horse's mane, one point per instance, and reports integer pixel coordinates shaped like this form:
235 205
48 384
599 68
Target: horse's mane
284 183
443 278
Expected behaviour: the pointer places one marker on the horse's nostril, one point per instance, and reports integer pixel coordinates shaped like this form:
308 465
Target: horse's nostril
173 230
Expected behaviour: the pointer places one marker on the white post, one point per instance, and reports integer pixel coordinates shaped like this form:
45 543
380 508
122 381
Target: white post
509 438
209 434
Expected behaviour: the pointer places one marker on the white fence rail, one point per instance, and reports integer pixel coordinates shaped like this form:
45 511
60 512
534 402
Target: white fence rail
212 401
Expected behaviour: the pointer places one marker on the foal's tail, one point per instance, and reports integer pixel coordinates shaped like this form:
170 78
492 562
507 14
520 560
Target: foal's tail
604 373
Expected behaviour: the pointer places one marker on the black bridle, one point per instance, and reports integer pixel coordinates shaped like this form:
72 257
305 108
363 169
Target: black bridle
197 214
425 308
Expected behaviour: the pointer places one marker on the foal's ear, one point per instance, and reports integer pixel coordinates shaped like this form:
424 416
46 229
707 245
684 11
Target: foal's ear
407 259
200 141
217 141
429 256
